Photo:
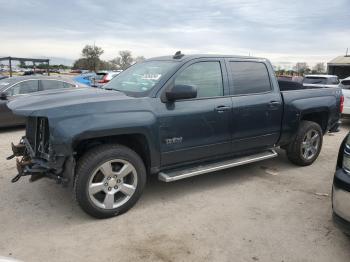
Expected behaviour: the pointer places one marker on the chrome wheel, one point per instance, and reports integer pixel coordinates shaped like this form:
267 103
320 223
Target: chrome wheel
112 184
310 144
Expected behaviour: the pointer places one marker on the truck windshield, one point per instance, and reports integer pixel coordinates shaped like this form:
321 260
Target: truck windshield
140 78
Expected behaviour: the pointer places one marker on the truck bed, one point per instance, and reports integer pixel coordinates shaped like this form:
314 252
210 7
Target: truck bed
309 104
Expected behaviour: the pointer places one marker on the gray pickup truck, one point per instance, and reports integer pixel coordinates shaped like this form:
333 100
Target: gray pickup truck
174 117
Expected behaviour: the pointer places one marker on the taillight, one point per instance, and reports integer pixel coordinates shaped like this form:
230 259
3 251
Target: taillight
341 104
104 79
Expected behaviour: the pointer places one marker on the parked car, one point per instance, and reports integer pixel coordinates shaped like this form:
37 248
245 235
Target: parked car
285 78
317 81
76 71
103 78
174 117
286 85
3 77
341 188
345 86
85 78
15 87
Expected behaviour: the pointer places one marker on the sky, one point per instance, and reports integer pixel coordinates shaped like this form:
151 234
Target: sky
283 31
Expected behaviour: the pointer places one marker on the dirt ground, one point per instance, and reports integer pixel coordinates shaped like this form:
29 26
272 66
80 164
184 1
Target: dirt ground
266 211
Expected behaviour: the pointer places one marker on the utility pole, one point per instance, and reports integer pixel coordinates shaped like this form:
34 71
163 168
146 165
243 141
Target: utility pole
10 64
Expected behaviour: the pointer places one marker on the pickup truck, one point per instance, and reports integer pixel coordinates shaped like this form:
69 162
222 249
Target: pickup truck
174 117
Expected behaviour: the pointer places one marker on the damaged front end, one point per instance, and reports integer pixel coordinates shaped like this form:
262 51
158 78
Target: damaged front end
35 154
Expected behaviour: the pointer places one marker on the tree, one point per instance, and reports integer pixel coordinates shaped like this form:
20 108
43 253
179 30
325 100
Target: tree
22 64
139 59
319 68
115 63
92 55
81 63
301 68
124 60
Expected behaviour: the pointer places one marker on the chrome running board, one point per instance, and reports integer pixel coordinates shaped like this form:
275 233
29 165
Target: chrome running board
173 175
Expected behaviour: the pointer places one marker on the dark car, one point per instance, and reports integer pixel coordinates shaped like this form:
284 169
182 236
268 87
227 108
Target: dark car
11 88
174 117
341 188
3 77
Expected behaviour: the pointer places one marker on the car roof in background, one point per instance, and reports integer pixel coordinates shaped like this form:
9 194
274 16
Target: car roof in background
4 83
320 76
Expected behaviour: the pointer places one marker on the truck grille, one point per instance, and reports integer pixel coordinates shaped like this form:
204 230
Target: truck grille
37 133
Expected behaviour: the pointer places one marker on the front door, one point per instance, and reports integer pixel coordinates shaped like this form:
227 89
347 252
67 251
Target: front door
196 129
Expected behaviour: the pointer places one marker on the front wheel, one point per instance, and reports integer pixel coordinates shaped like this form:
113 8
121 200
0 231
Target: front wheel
307 144
109 180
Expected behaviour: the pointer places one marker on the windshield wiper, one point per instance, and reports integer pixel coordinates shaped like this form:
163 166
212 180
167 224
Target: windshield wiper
112 89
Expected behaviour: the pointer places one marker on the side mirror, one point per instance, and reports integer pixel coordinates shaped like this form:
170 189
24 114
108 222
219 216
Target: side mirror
3 96
181 92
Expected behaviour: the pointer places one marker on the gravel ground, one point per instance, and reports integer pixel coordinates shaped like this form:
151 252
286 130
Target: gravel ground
266 211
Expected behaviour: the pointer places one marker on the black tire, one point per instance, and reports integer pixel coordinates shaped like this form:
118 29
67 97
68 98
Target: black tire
295 149
86 168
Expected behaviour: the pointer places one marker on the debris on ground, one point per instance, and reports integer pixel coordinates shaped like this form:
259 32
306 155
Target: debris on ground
270 171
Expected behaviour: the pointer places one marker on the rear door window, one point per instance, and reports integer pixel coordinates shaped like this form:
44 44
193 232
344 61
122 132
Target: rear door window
315 80
54 84
333 81
24 87
249 78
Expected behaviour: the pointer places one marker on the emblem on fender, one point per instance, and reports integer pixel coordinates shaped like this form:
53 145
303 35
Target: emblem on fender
173 140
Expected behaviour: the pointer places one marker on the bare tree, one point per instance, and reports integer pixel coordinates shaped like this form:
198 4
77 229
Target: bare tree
301 68
139 59
319 68
125 59
115 62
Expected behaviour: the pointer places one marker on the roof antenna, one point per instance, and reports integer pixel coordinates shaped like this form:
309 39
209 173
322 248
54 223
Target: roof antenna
178 55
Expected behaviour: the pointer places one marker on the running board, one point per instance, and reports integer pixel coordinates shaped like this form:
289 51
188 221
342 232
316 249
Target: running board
173 175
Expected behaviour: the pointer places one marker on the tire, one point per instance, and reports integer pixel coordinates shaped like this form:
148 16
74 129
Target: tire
296 150
109 180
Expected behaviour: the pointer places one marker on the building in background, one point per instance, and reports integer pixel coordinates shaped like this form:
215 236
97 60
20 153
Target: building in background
339 66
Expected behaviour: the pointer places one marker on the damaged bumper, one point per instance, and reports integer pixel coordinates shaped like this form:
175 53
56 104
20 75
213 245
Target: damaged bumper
29 164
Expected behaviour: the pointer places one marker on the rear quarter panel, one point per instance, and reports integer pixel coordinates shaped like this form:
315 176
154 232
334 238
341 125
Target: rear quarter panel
298 103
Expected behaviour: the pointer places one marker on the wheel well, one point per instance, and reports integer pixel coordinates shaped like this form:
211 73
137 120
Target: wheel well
136 142
320 118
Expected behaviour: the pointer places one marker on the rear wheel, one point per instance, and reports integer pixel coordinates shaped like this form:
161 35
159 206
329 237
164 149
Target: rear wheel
109 181
307 144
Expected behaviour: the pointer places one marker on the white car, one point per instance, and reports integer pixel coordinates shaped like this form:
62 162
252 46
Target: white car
320 81
345 86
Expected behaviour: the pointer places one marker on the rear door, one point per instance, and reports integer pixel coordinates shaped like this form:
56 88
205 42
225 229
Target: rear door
257 105
200 128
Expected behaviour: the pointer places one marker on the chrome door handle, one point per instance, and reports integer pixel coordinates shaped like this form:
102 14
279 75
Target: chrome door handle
221 109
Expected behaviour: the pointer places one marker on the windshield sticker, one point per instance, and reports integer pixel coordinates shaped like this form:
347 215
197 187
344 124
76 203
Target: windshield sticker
151 76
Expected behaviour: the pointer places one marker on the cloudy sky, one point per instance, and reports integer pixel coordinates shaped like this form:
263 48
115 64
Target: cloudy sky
283 31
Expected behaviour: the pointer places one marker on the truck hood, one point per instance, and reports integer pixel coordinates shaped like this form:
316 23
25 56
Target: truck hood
65 100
